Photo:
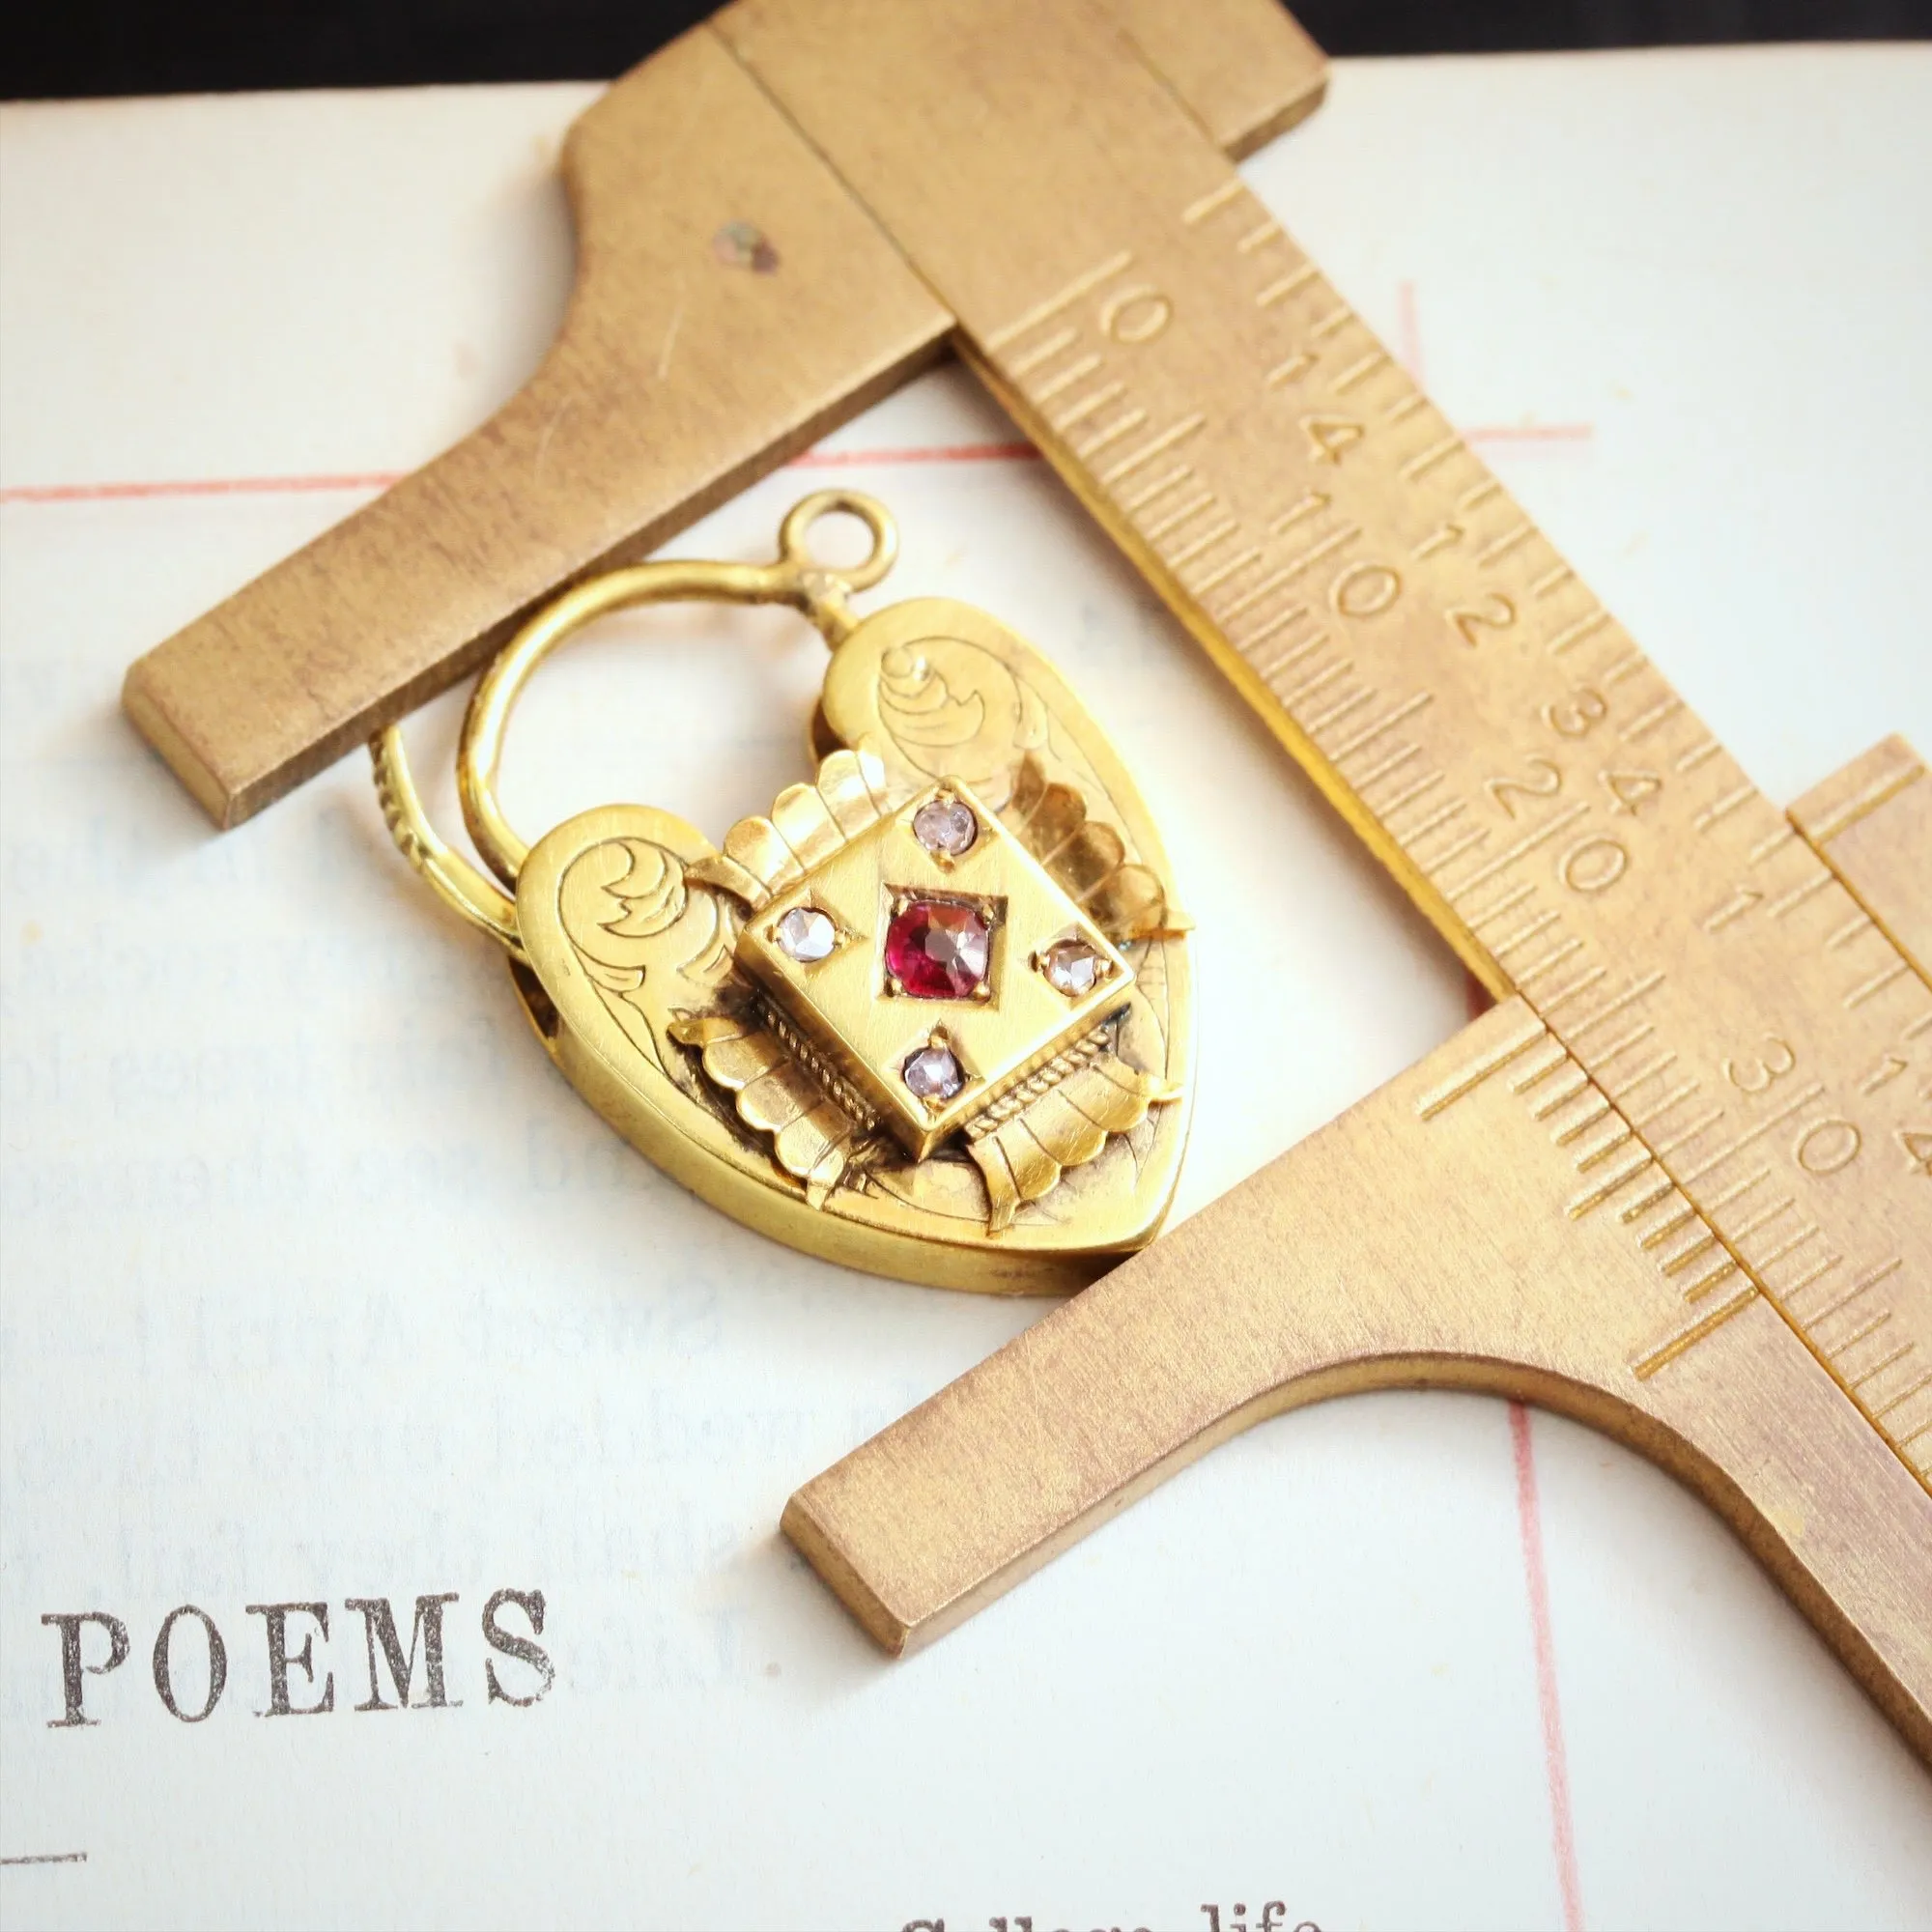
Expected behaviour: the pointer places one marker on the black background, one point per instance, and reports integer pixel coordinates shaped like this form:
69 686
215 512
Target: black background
68 47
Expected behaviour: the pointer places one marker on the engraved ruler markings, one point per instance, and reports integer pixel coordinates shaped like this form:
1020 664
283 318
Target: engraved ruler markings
1491 730
1618 1176
1740 1056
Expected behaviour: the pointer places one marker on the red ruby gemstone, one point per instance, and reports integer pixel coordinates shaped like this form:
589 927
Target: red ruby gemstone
937 949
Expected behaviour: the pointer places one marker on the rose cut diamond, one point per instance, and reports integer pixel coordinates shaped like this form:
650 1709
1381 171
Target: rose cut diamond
807 935
939 949
1072 967
933 1074
946 826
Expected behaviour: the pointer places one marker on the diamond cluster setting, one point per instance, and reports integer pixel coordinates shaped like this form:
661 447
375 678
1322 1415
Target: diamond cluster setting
934 963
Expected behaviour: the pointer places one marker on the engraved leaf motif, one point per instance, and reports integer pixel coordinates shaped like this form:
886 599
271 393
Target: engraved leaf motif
643 933
955 710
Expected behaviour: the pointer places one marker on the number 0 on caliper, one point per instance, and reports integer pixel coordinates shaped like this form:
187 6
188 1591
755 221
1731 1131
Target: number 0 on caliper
1677 1183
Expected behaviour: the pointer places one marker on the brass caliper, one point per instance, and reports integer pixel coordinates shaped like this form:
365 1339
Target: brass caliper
1678 1184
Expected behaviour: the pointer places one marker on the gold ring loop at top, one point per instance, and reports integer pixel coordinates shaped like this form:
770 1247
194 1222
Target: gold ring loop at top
796 551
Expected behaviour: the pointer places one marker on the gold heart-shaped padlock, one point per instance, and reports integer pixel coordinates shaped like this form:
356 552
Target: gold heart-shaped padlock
931 1016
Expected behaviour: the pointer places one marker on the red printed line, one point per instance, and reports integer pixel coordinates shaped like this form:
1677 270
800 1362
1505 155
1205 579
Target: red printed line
813 458
1408 335
1408 353
1529 1523
380 480
1409 332
192 486
952 452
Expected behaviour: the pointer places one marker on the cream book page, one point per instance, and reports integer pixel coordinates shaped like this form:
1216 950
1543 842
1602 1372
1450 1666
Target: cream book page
342 1343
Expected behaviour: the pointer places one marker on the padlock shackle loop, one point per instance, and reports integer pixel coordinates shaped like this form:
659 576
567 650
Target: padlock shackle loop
455 881
795 577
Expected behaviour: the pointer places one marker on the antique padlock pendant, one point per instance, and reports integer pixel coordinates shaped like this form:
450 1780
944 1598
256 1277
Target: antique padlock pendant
931 1016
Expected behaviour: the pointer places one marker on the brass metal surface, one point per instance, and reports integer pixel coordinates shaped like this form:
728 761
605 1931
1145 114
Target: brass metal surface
1872 824
1487 1221
1742 1031
1246 70
732 304
1574 829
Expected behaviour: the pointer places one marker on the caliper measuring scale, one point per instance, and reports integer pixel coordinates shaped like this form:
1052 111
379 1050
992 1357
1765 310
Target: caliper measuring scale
1676 1183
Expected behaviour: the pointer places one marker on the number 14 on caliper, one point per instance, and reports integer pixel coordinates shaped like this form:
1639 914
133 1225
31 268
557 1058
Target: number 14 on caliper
1676 1183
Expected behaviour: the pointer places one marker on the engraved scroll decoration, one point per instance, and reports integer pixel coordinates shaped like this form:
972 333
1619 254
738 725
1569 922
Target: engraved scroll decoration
654 929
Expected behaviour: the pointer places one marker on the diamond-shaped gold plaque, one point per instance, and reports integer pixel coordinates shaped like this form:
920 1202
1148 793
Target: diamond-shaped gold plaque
854 1012
930 1015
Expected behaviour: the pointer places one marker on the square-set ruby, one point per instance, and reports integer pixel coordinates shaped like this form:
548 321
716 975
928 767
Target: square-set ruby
939 948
